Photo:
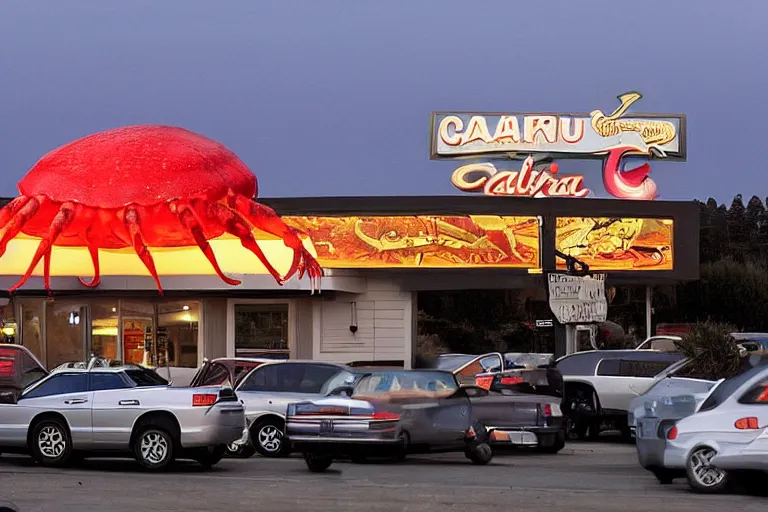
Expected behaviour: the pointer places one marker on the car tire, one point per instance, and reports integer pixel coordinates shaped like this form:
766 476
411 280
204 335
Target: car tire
701 477
153 448
51 443
240 451
557 443
402 450
664 476
210 455
317 463
479 454
268 437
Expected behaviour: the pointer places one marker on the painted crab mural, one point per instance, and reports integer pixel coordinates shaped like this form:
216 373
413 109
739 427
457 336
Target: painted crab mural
145 186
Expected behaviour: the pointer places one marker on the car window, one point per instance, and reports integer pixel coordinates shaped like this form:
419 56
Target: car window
290 378
216 375
727 388
103 381
343 378
757 395
60 384
579 364
452 361
405 381
242 369
664 345
145 378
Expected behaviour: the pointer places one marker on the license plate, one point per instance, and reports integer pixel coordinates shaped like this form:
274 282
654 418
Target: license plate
326 426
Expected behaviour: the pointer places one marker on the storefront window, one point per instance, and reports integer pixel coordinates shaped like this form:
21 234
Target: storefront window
177 327
31 314
138 327
104 329
261 330
65 324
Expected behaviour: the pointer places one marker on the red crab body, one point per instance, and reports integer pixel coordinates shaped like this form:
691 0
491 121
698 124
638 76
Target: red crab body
140 187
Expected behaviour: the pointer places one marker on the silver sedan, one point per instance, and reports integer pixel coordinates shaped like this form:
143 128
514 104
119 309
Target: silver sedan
123 410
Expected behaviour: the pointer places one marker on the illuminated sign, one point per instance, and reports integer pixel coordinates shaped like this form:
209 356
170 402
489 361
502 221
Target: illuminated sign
423 241
616 243
595 135
526 182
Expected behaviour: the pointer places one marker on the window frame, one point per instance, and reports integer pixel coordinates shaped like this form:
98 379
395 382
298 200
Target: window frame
292 325
52 377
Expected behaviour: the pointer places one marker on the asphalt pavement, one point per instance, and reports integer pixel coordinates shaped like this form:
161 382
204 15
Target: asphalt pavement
585 477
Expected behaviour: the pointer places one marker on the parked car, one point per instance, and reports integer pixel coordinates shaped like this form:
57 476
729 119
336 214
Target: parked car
665 343
725 438
663 412
267 390
229 371
600 384
677 379
517 395
79 412
389 414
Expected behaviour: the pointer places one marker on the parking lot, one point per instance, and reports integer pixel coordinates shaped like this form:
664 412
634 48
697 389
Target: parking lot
583 477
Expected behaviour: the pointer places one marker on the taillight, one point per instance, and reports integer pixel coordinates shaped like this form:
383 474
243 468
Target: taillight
746 424
384 415
470 433
484 381
203 400
509 381
547 410
6 368
672 434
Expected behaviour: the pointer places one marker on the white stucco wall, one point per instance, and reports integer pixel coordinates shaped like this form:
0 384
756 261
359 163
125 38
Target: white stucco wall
384 325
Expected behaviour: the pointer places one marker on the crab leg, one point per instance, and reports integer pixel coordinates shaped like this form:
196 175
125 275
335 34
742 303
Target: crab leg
7 213
60 221
94 251
131 220
237 226
190 220
17 221
265 219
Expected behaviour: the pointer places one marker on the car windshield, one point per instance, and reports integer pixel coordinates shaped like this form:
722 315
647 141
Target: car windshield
405 382
453 361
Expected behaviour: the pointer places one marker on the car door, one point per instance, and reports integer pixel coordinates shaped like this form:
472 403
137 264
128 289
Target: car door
486 363
113 411
271 387
618 380
66 393
450 418
495 409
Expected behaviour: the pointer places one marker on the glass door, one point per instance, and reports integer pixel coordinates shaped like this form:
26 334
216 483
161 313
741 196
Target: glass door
261 330
137 330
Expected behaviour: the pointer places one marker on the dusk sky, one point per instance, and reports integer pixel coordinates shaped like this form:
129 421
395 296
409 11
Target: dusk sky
332 97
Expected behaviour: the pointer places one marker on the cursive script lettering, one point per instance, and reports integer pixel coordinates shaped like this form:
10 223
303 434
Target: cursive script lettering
526 182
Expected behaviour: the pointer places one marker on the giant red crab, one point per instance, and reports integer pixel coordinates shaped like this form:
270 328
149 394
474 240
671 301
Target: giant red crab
144 186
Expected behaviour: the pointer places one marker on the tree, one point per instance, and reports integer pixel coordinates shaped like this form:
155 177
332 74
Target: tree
713 351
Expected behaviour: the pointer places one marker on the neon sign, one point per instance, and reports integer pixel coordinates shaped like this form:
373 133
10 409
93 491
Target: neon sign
528 181
611 138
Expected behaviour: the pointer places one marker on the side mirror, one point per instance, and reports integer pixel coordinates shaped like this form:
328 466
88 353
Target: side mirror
342 391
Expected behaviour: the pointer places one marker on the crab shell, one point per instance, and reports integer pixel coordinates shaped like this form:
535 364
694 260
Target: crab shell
141 186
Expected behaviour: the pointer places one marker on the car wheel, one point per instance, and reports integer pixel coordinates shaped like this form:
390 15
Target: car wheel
51 443
479 453
664 476
702 477
317 463
153 448
268 438
402 449
755 483
240 451
210 455
554 444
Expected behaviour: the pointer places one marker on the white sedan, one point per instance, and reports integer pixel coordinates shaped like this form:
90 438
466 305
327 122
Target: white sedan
726 438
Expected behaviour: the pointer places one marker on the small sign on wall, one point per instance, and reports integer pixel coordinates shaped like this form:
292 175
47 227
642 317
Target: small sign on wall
577 299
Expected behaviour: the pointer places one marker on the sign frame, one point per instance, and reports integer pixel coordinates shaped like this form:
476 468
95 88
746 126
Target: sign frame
594 276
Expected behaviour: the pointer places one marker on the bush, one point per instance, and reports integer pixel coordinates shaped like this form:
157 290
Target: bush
714 351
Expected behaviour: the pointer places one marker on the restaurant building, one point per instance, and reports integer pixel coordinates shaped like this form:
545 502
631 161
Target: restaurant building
378 253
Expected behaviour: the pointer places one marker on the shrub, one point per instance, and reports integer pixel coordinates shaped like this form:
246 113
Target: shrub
714 351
